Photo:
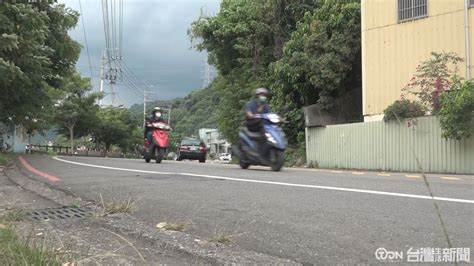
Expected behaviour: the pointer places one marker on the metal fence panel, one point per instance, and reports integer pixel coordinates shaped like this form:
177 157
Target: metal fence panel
389 146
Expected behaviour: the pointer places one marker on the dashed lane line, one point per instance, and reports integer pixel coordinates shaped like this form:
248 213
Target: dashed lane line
450 178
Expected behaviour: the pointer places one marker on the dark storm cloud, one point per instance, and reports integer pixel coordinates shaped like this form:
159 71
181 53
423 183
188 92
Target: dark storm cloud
155 44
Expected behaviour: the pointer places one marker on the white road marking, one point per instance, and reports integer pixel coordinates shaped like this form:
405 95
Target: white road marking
395 194
450 178
383 174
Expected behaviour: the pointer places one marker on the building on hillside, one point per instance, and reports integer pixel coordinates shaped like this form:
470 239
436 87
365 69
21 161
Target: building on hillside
213 142
398 34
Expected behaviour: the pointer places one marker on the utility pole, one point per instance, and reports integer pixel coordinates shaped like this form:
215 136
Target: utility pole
101 87
112 93
207 75
169 114
145 100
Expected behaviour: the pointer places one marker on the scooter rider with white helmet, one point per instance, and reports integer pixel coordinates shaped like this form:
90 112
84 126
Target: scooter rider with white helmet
156 116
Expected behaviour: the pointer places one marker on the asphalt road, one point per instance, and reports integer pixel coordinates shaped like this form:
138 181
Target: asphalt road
310 216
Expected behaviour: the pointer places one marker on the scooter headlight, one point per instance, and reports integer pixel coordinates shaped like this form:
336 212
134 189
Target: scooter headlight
274 118
270 138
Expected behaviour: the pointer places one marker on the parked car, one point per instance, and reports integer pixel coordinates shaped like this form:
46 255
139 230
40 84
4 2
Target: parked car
225 157
192 149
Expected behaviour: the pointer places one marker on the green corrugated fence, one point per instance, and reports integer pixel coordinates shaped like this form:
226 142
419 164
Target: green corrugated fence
389 146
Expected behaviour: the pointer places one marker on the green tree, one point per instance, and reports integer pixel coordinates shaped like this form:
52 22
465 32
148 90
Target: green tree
457 110
36 54
242 40
305 51
116 126
77 109
321 61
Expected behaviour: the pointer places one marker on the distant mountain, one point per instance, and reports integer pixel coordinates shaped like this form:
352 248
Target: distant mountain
196 110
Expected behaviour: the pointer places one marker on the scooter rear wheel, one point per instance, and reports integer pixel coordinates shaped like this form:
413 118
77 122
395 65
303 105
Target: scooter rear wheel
244 165
242 158
279 159
160 154
147 156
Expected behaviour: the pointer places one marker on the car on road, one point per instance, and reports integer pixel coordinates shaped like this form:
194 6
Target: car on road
192 149
225 157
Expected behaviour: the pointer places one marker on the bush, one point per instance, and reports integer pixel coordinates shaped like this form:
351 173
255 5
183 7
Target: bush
432 79
52 153
295 156
403 109
457 110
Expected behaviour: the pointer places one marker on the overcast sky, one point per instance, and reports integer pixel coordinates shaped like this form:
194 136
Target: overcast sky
155 44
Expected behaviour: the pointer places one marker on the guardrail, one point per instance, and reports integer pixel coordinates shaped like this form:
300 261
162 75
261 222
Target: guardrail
62 150
45 149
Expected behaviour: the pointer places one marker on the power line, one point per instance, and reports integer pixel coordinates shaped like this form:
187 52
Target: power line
121 29
85 39
118 71
126 68
132 87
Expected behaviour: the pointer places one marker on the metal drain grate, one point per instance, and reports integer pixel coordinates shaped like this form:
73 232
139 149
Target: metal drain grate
61 213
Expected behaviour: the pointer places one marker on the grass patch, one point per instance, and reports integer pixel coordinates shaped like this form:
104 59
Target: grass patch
4 159
18 251
114 207
76 205
222 238
12 216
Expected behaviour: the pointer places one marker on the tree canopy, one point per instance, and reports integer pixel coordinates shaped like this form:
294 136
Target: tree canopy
306 52
76 111
36 54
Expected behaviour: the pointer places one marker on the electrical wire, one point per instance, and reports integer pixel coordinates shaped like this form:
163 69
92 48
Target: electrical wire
118 70
121 29
132 86
85 39
137 80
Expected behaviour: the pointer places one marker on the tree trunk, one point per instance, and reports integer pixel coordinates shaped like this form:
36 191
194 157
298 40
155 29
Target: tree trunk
71 134
255 63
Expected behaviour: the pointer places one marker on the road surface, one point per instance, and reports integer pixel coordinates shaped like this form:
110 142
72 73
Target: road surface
306 215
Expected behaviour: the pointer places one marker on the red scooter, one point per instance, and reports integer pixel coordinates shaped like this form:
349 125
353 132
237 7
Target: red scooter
157 148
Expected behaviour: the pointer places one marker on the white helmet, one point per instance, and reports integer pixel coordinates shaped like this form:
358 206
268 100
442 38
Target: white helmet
261 91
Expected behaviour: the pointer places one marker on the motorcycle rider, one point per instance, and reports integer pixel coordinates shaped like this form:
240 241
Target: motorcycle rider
254 108
156 116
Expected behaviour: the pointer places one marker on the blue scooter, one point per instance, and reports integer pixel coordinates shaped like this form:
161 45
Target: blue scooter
267 150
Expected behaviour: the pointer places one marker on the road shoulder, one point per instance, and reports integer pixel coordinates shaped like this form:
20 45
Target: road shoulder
117 238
